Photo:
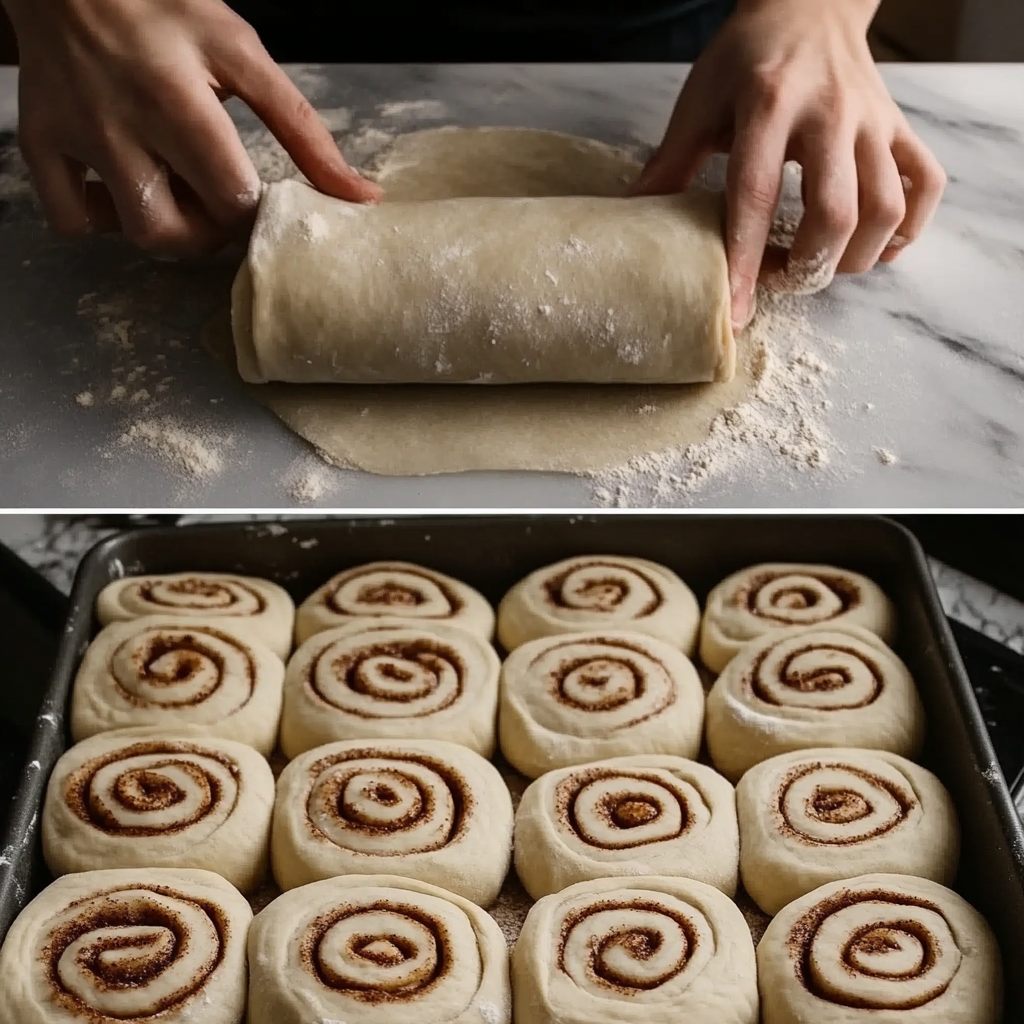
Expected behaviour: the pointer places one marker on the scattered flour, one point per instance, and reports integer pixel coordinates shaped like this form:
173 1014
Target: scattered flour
314 227
803 276
779 426
85 399
414 108
309 484
185 450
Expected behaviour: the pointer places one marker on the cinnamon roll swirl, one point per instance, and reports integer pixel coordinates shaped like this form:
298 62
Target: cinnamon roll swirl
137 798
789 690
393 589
644 950
598 592
256 608
642 815
817 816
568 699
425 809
789 595
161 671
881 947
376 949
391 679
145 944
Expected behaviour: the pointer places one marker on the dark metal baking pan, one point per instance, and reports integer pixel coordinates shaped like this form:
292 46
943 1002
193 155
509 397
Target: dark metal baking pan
493 552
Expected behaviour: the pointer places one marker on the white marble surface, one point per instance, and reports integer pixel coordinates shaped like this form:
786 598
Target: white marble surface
55 544
934 345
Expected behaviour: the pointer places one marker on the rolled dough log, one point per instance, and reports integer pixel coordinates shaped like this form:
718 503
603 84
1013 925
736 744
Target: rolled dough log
478 290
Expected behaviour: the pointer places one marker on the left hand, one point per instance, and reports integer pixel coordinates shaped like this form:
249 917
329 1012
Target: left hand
795 80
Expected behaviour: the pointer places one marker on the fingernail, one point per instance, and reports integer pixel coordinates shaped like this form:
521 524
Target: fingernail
897 242
741 299
647 175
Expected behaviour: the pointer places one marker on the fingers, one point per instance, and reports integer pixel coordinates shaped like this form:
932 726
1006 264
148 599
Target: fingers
151 215
926 181
275 99
60 183
881 206
830 211
753 184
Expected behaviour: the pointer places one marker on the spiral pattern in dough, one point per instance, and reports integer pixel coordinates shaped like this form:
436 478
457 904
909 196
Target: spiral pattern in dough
788 596
878 943
155 788
600 592
578 697
788 689
430 809
376 950
644 949
101 947
395 590
162 671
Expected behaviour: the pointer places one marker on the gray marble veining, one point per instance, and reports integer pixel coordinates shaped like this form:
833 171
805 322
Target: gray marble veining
933 345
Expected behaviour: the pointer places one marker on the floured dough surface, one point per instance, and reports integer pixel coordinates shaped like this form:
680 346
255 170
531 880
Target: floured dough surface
409 430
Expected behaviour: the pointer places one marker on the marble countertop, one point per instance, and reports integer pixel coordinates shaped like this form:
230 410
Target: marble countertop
923 401
55 544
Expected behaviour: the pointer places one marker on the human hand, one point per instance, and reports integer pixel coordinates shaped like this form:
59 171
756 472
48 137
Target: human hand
134 92
795 80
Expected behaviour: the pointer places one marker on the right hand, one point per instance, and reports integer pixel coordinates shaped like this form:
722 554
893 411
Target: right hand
134 91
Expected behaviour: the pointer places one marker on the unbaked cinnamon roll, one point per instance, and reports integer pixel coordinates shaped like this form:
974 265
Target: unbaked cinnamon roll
135 945
137 798
578 697
396 590
425 809
259 609
880 947
789 595
391 679
164 672
642 815
790 690
598 592
816 816
643 950
376 949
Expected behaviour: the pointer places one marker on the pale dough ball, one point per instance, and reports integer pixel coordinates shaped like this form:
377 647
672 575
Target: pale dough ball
597 592
565 700
376 949
163 671
425 809
393 589
257 608
131 944
642 815
834 687
137 798
816 816
391 679
780 595
880 949
643 950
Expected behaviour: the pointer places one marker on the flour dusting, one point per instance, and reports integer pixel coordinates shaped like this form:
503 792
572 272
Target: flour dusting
185 450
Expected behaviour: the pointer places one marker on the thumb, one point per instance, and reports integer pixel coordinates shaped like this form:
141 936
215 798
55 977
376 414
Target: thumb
293 121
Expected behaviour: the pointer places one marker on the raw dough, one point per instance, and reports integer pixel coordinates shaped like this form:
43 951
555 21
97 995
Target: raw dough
393 589
391 679
258 607
149 798
426 809
410 430
640 815
816 816
643 950
596 592
136 944
780 595
789 690
880 949
376 949
579 697
161 670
